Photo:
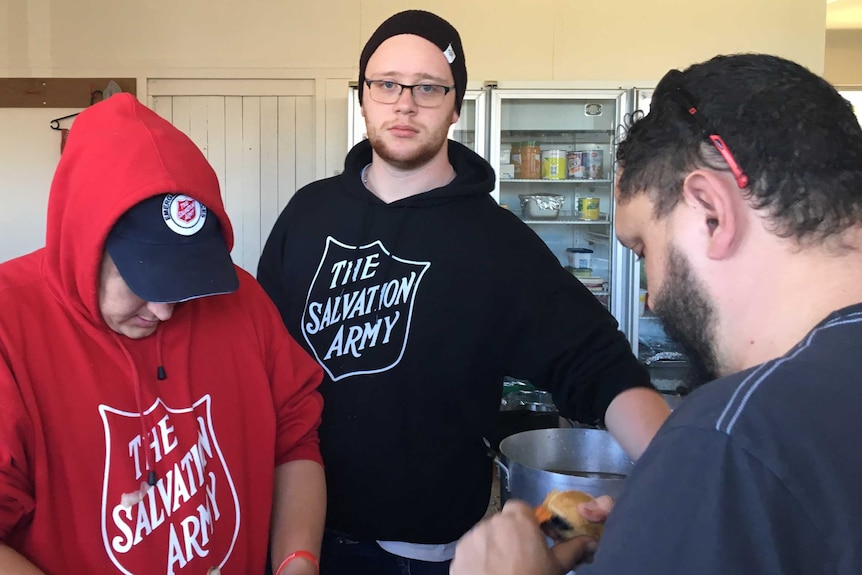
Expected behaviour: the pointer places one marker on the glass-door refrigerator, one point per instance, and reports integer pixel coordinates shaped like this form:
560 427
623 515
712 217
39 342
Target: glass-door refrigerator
663 356
470 129
553 152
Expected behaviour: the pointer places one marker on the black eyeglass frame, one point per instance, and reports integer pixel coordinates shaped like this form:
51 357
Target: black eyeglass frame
446 90
686 101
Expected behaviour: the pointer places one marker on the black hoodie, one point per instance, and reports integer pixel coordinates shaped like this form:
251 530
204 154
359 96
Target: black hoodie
416 310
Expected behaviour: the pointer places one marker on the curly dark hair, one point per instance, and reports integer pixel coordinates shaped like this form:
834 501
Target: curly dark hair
794 136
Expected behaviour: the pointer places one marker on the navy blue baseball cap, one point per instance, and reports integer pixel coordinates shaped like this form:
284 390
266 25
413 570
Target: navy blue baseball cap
169 249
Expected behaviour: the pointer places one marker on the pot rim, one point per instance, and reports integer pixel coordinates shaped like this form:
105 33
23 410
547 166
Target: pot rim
561 431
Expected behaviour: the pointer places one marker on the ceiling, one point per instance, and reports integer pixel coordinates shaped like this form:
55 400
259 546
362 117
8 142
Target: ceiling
844 14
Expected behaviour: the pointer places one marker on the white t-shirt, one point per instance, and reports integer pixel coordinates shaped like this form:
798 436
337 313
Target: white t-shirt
420 551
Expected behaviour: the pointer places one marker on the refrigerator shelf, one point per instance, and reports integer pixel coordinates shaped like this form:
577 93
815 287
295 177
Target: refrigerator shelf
543 181
594 236
539 133
569 220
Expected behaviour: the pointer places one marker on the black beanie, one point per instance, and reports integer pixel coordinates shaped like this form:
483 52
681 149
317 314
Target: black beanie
429 26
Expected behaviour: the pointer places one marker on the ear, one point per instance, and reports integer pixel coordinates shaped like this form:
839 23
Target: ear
455 116
719 205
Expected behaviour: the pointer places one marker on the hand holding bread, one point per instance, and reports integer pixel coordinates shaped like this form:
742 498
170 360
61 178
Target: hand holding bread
508 543
560 515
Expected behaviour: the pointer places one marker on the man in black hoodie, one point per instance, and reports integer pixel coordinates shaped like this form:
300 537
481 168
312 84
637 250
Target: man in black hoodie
417 294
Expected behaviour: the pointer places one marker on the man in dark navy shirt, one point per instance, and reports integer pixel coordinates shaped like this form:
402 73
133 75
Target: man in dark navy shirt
742 188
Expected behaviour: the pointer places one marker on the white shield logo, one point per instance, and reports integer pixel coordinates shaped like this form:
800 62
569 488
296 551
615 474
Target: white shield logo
192 511
359 306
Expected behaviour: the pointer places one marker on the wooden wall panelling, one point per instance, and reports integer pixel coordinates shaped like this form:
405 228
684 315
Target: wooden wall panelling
56 92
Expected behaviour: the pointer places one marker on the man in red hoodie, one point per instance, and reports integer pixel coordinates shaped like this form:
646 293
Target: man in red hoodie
151 400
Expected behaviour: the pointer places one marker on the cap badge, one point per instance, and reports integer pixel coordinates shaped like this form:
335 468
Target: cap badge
449 53
183 215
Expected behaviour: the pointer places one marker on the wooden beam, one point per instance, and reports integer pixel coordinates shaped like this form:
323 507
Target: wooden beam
57 92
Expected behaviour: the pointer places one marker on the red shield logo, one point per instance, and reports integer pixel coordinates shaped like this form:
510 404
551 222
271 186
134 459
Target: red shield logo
187 210
189 520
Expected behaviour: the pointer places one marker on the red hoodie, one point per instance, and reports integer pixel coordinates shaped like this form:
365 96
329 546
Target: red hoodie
83 414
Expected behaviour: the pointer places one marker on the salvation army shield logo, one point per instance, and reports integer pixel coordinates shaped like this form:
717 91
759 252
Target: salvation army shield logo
183 215
186 210
189 520
359 307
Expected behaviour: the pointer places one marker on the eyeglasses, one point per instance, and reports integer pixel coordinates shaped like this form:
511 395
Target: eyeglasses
425 95
684 99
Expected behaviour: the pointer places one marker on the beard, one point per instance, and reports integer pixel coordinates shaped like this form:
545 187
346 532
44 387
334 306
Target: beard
424 152
688 318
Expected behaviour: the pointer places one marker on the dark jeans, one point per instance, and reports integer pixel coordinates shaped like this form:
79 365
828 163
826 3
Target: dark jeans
343 556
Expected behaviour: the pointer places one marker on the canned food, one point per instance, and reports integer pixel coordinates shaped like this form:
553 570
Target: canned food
593 162
588 208
554 165
575 166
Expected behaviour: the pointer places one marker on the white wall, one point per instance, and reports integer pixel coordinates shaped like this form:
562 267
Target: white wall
29 152
620 40
854 96
504 40
844 57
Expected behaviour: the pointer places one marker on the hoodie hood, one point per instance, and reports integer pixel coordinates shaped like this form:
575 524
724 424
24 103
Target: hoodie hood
119 153
474 176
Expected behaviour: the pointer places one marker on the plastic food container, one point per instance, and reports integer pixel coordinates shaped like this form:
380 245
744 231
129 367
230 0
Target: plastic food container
531 160
579 258
594 284
541 206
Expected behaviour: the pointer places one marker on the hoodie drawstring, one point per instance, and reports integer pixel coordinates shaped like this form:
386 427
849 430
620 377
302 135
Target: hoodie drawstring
161 374
132 498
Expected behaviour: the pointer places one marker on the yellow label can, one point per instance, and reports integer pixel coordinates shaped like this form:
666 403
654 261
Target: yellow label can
554 165
588 208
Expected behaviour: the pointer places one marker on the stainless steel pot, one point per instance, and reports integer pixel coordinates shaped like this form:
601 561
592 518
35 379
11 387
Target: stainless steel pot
532 463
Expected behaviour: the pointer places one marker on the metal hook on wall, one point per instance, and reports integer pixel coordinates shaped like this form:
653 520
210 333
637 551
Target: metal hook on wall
55 123
95 96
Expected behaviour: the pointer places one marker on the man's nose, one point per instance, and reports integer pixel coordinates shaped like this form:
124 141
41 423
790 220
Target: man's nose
405 100
162 311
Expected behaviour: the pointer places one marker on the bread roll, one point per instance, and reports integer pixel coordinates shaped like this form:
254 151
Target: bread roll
564 505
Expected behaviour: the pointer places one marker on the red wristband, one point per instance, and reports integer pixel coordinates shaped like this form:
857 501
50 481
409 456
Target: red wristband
296 554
